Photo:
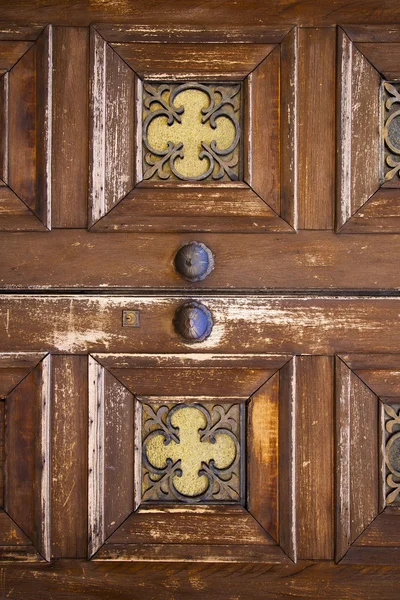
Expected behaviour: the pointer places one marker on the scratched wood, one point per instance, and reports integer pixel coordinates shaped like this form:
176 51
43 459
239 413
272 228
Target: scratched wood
112 151
308 261
263 455
316 122
358 134
69 179
314 457
310 325
69 420
229 62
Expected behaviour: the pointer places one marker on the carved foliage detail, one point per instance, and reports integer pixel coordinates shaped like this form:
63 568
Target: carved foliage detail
392 453
191 131
391 130
192 453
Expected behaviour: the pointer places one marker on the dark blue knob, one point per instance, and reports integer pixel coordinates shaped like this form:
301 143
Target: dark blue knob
193 321
194 261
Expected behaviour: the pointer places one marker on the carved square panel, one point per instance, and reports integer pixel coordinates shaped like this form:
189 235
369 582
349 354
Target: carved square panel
369 131
184 455
191 131
192 452
193 135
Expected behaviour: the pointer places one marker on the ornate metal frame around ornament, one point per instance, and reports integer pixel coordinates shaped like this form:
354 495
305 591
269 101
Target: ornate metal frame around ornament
215 110
392 438
391 152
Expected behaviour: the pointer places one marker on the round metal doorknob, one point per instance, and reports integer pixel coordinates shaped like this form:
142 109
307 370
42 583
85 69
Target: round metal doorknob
193 321
194 261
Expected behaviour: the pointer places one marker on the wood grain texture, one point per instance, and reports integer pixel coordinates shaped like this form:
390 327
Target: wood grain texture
112 135
95 580
213 34
96 497
308 261
11 52
358 130
262 134
69 178
227 62
10 533
22 129
4 92
289 128
27 468
314 457
196 14
373 33
14 368
381 214
2 450
15 215
168 208
384 57
263 456
310 325
118 453
287 459
222 525
69 418
316 149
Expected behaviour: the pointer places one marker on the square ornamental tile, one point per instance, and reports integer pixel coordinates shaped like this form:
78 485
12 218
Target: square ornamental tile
191 134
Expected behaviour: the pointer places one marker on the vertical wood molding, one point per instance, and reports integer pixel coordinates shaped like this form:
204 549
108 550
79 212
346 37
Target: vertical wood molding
287 460
96 531
97 153
43 527
44 117
343 205
289 128
4 106
342 411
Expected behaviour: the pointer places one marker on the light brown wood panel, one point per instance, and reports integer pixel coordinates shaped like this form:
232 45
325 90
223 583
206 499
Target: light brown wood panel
227 62
2 451
69 173
381 214
69 418
4 128
316 73
263 133
263 455
314 457
308 261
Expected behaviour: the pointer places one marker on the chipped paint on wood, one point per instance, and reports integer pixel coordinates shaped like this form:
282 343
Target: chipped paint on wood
96 457
45 440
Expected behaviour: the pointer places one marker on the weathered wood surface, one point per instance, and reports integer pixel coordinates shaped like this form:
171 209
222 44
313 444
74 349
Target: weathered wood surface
308 325
307 261
195 13
97 580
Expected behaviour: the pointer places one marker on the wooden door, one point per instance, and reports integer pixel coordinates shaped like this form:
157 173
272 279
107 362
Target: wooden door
199 342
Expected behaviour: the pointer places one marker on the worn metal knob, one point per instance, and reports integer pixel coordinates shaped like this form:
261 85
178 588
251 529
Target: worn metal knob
194 261
193 321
